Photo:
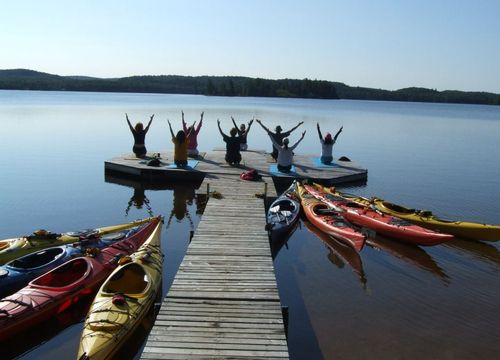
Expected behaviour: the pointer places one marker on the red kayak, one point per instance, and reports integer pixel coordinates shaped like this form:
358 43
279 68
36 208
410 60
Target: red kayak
382 223
328 221
67 284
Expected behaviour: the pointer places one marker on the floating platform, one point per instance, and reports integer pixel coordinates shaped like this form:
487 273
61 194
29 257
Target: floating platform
212 162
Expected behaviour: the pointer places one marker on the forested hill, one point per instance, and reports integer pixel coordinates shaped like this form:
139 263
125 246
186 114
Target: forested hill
22 79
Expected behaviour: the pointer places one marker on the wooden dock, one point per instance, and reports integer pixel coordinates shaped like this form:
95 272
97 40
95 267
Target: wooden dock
213 163
224 301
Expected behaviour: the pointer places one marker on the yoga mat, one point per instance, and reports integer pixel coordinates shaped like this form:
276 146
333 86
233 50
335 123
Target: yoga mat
273 169
190 165
317 162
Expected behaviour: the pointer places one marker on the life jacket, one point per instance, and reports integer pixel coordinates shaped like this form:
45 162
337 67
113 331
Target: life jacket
250 175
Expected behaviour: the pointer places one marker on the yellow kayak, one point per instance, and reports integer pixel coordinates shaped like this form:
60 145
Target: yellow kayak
462 229
13 248
123 301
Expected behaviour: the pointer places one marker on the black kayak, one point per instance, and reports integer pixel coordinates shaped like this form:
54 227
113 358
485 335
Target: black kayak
283 214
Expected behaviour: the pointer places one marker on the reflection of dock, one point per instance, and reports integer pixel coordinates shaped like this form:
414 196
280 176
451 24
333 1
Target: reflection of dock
213 163
224 301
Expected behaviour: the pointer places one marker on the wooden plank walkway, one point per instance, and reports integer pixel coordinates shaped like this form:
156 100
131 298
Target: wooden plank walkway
224 301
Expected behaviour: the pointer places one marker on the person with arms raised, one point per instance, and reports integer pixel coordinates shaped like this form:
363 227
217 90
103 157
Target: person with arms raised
278 136
193 135
243 132
181 142
327 145
233 155
139 134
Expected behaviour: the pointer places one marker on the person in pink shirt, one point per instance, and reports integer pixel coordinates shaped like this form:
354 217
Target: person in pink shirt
193 135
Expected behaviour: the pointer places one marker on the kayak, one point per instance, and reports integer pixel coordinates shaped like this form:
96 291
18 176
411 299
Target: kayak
384 224
329 221
283 214
462 229
42 239
17 273
66 285
425 218
123 301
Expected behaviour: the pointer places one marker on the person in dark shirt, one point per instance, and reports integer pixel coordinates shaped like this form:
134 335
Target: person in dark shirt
139 134
243 132
278 136
233 155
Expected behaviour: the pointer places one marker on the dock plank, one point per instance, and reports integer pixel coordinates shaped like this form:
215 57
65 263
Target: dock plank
224 301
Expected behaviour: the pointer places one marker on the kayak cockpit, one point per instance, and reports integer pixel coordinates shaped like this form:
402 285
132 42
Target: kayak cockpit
131 279
66 275
38 259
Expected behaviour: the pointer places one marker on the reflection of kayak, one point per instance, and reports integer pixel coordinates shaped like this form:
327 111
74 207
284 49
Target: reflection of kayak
67 284
329 222
283 214
346 253
384 224
410 254
17 273
123 301
463 229
478 250
41 239
277 244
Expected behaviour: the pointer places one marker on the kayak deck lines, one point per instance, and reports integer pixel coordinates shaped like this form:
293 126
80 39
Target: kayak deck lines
224 300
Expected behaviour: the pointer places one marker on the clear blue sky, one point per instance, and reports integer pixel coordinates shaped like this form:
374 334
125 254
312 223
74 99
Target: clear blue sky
442 44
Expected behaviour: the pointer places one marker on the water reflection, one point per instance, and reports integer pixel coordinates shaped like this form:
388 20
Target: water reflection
183 196
46 331
411 254
278 244
478 249
138 200
341 254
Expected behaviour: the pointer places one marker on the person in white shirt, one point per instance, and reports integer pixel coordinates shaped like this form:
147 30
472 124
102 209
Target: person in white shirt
327 145
285 153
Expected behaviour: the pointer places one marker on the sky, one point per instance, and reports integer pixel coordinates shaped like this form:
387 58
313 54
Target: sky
386 44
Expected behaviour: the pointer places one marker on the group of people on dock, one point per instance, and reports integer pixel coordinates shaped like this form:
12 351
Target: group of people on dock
186 142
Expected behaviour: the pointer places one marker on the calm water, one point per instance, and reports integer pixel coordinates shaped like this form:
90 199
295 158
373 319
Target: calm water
390 301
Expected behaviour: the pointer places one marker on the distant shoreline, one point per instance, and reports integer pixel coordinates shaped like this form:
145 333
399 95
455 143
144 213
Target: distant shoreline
23 79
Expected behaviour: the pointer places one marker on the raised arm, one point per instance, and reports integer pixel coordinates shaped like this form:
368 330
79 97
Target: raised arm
129 124
249 125
234 123
170 127
184 126
337 134
319 132
261 124
199 124
149 123
220 130
298 141
295 127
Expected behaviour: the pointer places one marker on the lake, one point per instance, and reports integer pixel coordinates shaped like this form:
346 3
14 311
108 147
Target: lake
390 301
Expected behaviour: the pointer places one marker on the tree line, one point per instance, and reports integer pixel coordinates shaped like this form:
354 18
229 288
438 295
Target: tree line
22 79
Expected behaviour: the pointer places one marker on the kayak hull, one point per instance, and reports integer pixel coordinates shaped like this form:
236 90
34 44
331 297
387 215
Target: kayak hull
332 224
64 286
384 224
13 248
123 301
283 214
